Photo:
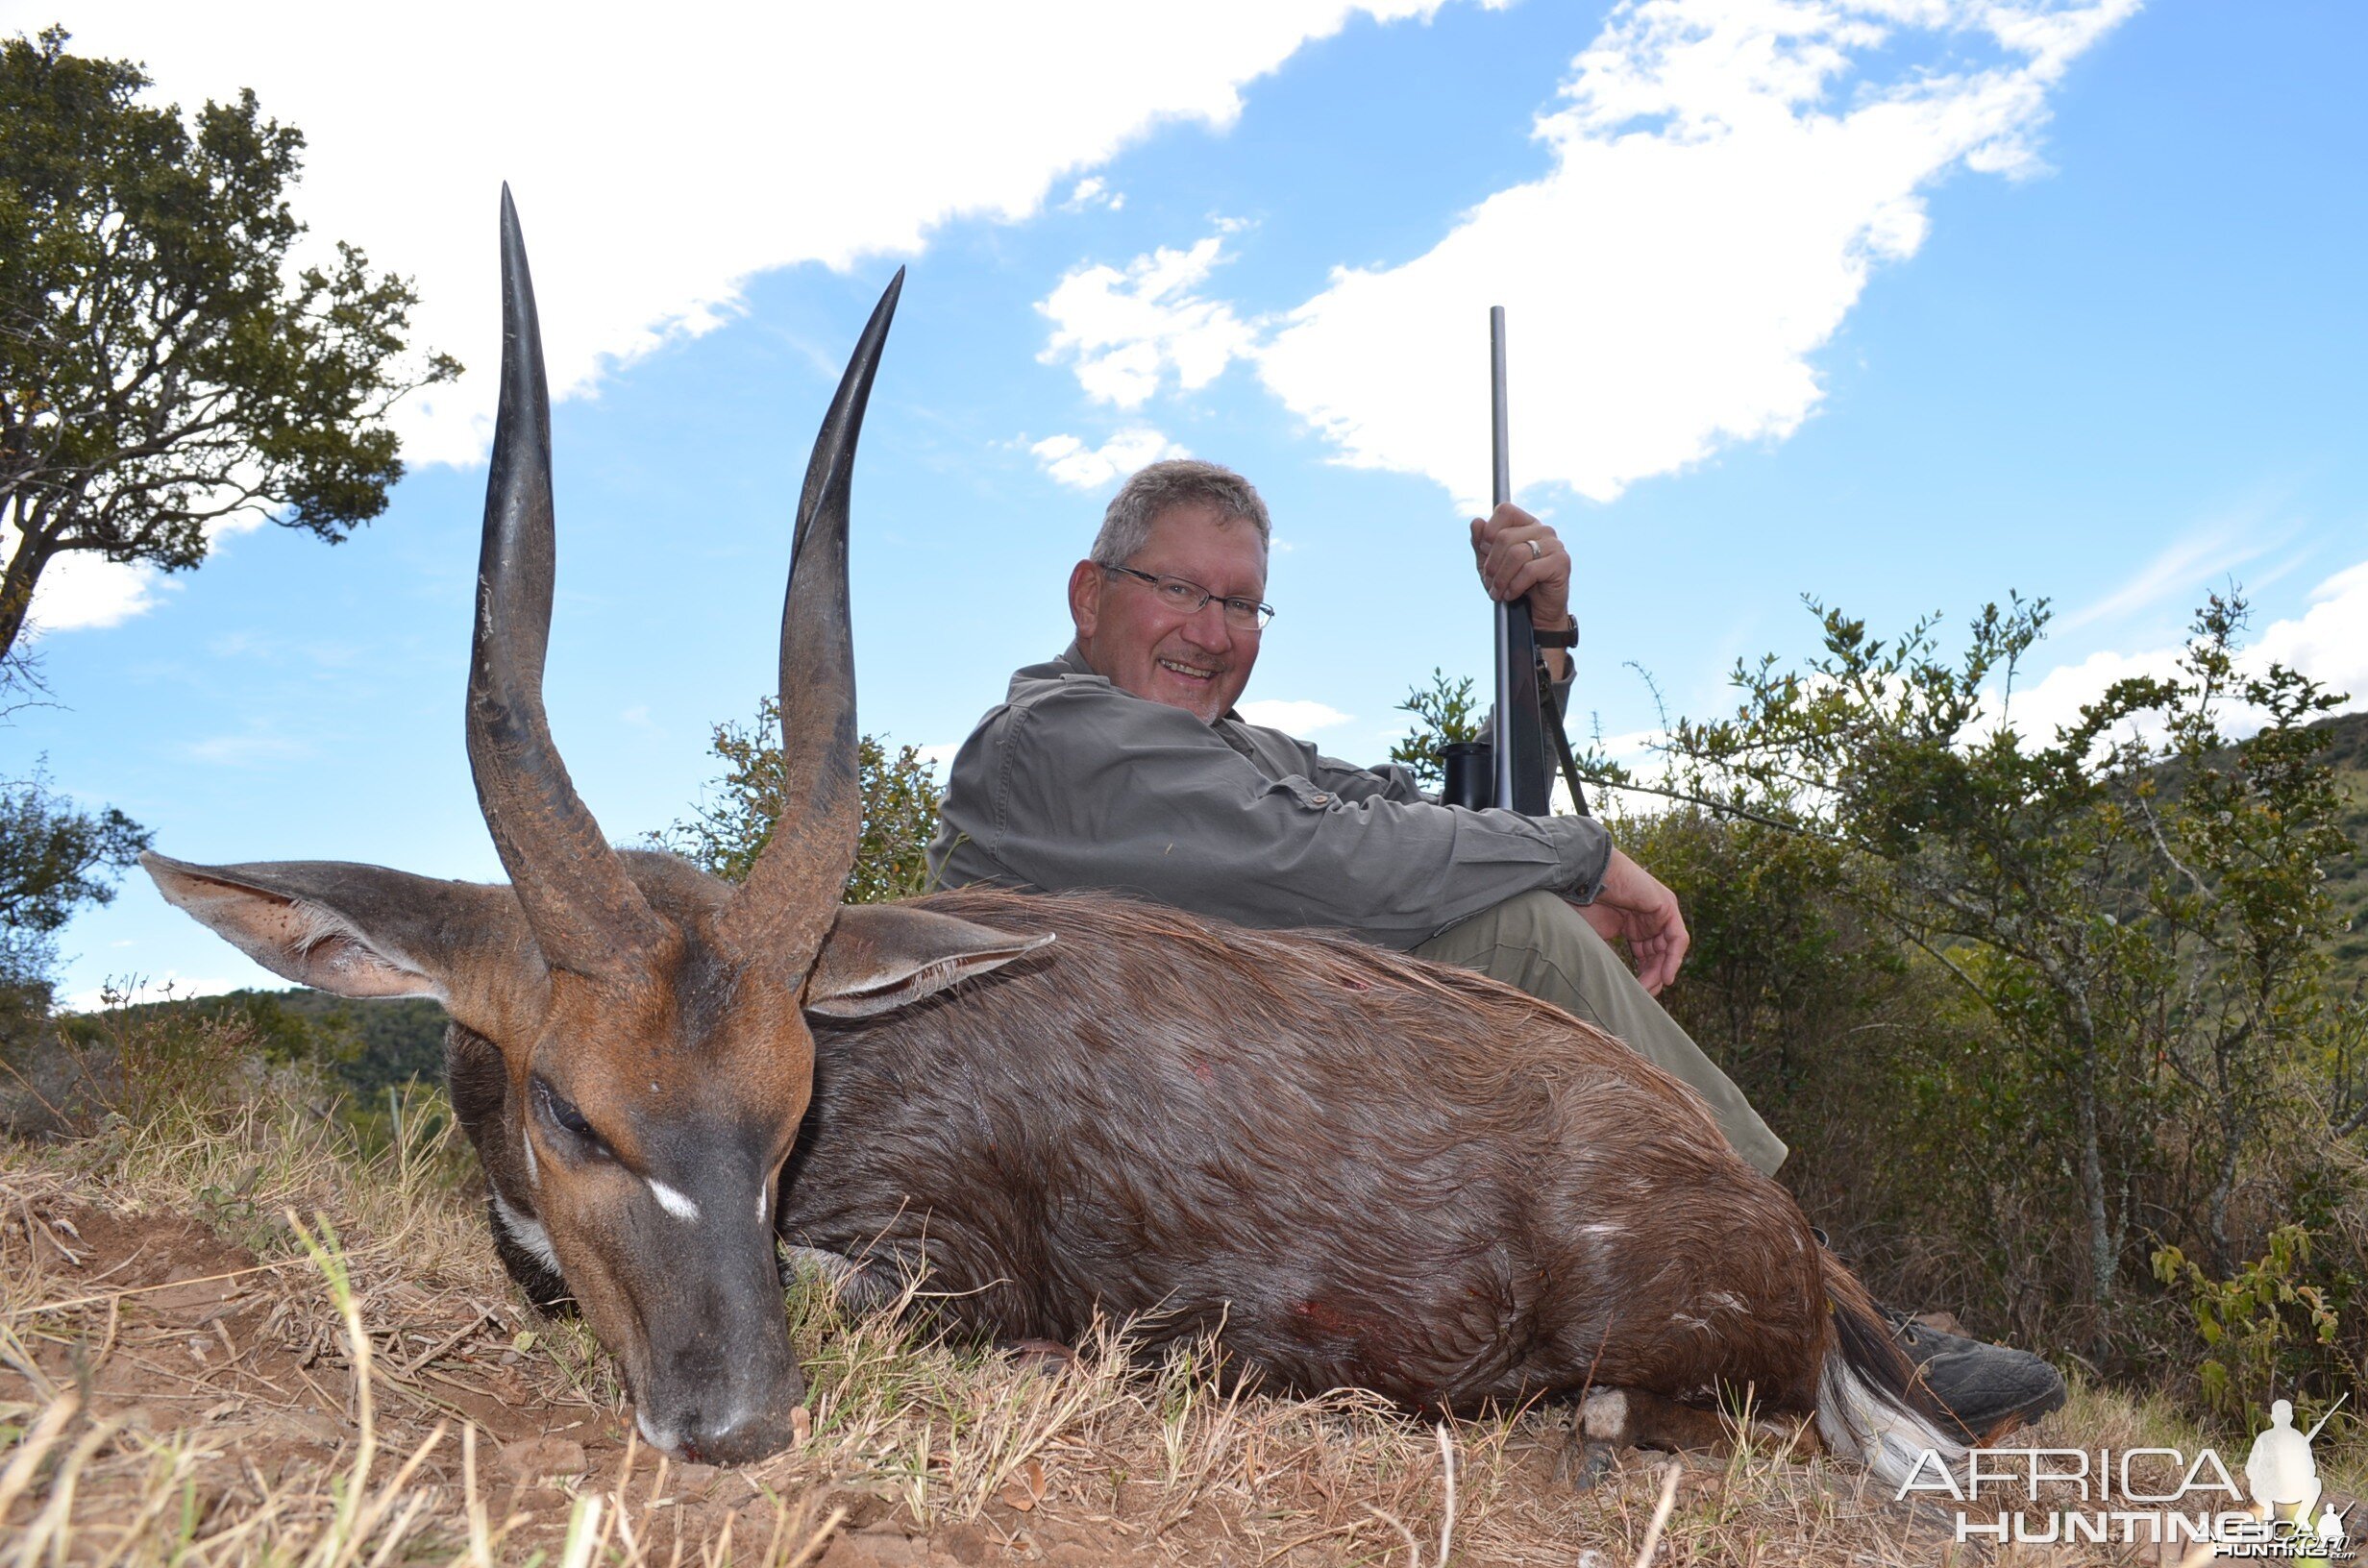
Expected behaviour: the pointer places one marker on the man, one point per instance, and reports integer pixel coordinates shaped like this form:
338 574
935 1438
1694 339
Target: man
1122 766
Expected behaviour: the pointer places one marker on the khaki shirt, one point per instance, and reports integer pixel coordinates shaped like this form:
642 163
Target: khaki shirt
1073 784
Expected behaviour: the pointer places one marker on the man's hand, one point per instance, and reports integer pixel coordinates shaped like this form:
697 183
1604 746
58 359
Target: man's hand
1634 905
1519 556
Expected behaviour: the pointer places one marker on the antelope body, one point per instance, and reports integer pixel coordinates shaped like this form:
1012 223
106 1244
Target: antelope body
1359 1167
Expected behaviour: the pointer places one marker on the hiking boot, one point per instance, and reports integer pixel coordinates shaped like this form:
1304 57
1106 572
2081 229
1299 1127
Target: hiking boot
1990 1389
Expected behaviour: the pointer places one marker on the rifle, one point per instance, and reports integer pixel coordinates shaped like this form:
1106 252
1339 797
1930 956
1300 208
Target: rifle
1514 757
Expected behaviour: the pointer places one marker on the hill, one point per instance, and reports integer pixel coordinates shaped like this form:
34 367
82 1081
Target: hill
2347 880
368 1046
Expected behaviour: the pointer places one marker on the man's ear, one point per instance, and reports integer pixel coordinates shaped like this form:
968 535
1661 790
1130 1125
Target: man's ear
359 930
879 956
1086 582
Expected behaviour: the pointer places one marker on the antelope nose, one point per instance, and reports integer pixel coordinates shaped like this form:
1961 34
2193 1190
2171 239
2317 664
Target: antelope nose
737 1438
738 1425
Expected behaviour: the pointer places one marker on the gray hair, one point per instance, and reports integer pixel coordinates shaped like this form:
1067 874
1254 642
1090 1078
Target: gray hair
1179 481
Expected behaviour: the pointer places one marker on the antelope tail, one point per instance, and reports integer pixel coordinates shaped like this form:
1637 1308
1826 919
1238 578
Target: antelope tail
1870 1403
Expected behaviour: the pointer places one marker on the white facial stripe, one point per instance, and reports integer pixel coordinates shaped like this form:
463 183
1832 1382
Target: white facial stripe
527 1233
534 1176
673 1203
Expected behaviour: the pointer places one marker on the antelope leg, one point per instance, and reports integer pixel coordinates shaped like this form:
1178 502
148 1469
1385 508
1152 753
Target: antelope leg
1635 1418
859 1286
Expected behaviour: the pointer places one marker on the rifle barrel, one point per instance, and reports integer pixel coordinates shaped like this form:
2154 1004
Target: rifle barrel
1500 446
1515 747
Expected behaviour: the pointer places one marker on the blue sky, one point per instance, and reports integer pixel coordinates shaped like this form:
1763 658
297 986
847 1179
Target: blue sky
1903 305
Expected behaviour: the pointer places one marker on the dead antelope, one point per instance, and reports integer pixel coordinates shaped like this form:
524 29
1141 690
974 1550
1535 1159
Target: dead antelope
1360 1169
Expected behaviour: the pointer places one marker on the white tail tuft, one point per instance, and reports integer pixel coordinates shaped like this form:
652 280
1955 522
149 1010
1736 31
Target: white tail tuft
1860 1420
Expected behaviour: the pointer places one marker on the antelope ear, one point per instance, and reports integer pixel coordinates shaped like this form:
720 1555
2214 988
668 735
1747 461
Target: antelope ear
879 956
353 930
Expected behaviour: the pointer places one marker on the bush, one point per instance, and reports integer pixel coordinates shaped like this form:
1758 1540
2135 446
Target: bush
2268 1331
2037 1012
729 831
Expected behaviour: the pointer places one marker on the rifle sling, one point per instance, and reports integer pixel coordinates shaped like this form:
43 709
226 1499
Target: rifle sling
1551 711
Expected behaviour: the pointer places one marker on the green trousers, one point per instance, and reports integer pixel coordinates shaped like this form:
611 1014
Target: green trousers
1545 946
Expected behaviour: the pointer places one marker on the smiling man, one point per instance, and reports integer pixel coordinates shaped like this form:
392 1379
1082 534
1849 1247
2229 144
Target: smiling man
1122 766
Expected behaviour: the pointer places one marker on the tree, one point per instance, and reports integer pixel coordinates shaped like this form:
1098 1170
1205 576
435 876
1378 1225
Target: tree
899 811
2135 902
1443 716
159 371
54 859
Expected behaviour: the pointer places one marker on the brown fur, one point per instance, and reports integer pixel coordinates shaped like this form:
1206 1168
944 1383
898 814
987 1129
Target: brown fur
1367 1169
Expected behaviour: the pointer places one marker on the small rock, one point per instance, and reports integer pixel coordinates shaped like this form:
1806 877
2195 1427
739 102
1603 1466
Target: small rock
140 1418
692 1480
184 1300
874 1552
966 1544
534 1458
862 1508
306 1426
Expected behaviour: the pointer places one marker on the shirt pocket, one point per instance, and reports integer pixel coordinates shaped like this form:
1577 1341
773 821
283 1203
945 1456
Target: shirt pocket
1307 793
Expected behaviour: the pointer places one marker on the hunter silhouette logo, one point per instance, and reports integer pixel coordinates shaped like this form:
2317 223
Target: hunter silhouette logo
2157 1496
2285 1481
2284 1477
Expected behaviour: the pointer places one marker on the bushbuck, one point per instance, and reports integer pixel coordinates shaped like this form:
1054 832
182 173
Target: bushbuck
1356 1166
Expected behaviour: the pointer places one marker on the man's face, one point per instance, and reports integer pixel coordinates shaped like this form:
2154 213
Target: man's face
1195 662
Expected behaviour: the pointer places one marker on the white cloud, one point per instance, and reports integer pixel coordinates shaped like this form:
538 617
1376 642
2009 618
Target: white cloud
2056 698
2207 553
1129 330
661 160
1072 463
2328 642
79 590
1724 180
1093 191
256 748
1294 716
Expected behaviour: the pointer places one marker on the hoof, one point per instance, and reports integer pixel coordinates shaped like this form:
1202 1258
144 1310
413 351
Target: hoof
1586 1462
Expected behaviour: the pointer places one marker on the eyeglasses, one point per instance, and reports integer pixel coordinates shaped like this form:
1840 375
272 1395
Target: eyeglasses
1187 597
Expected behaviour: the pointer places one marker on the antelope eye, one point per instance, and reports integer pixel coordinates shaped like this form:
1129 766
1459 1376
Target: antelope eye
561 1113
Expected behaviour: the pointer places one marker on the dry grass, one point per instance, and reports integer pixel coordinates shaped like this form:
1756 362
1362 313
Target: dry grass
237 1331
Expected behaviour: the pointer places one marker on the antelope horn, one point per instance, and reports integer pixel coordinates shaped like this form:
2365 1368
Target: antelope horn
792 894
587 915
